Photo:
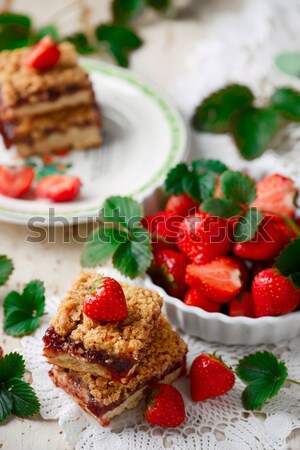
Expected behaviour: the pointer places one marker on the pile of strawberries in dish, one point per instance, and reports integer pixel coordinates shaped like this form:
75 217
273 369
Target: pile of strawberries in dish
225 243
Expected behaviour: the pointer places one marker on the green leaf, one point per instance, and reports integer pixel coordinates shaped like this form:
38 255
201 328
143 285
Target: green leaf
221 207
48 30
215 113
25 401
287 102
13 36
102 244
6 268
238 187
199 187
289 63
210 165
288 261
253 130
6 403
12 365
81 43
125 10
134 257
120 41
160 5
15 19
122 210
265 375
51 169
173 183
22 311
247 225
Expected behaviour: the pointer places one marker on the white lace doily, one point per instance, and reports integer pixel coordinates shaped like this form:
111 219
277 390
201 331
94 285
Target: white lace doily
217 424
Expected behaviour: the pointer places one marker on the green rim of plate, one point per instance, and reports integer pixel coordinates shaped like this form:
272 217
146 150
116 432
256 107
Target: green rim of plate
178 131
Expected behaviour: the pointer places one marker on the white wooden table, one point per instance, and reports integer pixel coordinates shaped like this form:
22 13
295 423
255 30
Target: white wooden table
57 264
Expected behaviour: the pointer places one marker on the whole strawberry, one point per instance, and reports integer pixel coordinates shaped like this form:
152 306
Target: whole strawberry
168 271
194 297
203 237
106 302
182 204
242 305
163 226
274 294
165 406
210 377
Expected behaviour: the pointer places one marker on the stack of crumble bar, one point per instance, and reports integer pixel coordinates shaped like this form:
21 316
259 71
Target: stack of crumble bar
45 111
109 368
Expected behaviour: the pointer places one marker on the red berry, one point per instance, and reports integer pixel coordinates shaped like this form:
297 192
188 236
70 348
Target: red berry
169 271
58 188
15 181
106 302
194 297
273 294
286 231
1 352
265 245
182 204
203 237
163 226
43 55
276 194
210 377
219 280
242 305
165 407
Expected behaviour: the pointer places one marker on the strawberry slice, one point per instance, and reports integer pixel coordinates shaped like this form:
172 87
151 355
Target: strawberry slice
219 280
44 55
15 181
203 237
182 205
242 305
195 297
276 194
58 188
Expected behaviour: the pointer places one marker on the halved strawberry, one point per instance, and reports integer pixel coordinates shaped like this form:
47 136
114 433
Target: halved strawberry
15 181
182 204
264 246
43 55
163 226
219 280
168 271
276 194
203 237
242 305
58 188
195 297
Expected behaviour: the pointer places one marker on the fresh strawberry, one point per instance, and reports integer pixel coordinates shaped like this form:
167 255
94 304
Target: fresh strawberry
182 205
265 245
160 244
44 55
273 294
219 280
15 181
242 305
165 406
106 302
276 194
195 297
163 226
58 188
203 237
168 271
210 377
1 352
287 232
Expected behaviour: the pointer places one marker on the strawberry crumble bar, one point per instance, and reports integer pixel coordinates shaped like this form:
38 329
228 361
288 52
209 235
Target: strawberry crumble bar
111 350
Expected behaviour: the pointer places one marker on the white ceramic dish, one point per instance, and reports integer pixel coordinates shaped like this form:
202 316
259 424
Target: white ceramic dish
145 135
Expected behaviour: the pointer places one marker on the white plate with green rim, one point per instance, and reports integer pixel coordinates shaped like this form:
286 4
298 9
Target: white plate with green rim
145 135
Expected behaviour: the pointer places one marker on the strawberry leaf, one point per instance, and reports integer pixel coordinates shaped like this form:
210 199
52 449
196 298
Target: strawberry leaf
6 268
6 403
22 311
199 187
125 10
81 43
160 5
8 18
102 244
210 165
48 30
265 376
253 130
289 63
238 187
173 182
287 102
221 207
122 210
215 113
24 399
288 262
247 225
12 365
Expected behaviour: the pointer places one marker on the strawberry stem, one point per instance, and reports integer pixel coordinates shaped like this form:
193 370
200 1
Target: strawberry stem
293 381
